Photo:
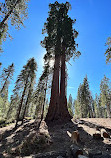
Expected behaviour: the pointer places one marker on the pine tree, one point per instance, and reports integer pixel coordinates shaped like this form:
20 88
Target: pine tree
14 101
108 51
77 110
6 77
46 107
40 93
106 94
24 86
87 111
60 45
12 12
70 105
84 104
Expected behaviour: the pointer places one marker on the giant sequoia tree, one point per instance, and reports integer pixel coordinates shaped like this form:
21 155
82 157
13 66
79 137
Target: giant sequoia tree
60 45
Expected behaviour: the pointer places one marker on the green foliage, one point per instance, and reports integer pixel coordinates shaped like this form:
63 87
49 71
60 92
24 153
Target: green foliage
77 112
60 32
105 88
6 77
46 108
22 93
40 93
70 105
108 51
12 12
83 104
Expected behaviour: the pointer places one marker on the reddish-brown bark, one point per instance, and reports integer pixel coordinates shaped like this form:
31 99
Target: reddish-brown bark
54 100
58 110
63 100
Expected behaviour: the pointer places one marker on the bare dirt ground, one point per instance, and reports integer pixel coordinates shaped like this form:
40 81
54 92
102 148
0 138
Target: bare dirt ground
99 121
57 137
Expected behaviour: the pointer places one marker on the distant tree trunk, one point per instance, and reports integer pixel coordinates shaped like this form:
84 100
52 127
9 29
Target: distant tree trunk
42 115
21 102
9 111
54 100
108 110
5 83
27 101
65 116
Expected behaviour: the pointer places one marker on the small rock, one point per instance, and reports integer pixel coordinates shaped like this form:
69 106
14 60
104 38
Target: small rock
52 154
75 150
82 156
97 136
79 128
93 153
102 156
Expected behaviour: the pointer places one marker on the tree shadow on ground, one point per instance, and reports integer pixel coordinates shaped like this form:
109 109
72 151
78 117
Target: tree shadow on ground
58 133
87 143
11 138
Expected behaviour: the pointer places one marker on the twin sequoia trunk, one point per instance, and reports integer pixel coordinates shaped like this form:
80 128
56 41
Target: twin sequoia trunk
58 101
63 99
54 100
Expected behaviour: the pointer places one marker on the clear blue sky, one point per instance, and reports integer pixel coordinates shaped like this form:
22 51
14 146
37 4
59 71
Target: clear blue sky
93 21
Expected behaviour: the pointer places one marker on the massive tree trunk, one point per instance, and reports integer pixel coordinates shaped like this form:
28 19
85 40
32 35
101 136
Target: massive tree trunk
58 110
63 99
54 100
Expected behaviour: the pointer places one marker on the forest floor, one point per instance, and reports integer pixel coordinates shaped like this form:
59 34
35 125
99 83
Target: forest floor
27 140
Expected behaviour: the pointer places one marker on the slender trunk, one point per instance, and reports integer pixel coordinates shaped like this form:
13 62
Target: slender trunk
21 102
44 100
5 82
42 115
108 110
8 113
27 101
63 99
54 100
37 111
4 85
8 14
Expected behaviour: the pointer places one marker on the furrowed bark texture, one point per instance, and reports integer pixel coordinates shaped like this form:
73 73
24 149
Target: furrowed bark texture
54 100
63 99
58 110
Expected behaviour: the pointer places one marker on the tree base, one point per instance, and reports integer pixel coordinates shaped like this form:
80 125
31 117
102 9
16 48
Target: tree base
58 120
